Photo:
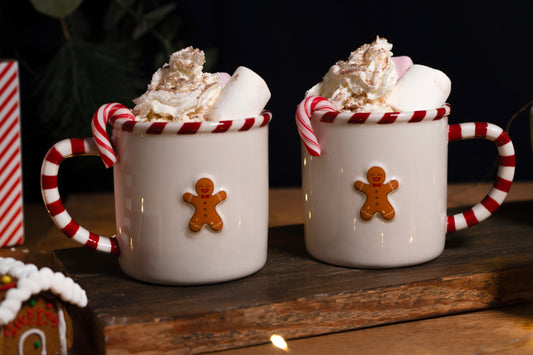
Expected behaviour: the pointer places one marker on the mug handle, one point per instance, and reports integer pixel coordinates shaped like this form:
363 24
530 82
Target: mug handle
502 185
60 151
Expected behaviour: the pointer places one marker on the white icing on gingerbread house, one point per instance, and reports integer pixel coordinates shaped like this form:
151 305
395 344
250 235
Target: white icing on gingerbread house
33 318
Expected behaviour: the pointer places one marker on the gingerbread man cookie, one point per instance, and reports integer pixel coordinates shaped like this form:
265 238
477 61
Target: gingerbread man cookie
204 204
376 192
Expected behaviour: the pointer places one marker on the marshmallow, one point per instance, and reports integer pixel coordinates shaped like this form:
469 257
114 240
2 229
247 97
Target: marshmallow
420 88
402 63
224 77
244 95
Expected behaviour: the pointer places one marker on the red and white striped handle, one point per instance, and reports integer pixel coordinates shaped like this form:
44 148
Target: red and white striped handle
502 185
49 170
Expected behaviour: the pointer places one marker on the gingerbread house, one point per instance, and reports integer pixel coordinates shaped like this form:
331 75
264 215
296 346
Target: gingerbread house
33 314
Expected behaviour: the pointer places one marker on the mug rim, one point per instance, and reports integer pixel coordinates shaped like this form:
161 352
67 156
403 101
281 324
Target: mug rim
336 117
191 127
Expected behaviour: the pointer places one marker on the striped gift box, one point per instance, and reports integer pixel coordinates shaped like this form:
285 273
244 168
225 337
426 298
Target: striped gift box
11 222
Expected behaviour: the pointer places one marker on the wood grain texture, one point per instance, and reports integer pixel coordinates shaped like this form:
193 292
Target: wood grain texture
502 331
296 296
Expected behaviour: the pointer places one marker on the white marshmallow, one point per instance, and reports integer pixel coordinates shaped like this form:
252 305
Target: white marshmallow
420 88
244 95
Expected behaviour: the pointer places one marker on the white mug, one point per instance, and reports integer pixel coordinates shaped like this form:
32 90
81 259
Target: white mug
375 186
191 198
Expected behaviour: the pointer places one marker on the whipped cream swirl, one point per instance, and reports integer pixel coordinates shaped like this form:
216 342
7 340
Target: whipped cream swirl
361 83
180 91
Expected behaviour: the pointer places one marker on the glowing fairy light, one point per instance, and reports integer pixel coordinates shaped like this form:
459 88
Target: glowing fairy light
279 342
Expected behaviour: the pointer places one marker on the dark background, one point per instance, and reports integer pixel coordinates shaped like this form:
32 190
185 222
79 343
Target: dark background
485 49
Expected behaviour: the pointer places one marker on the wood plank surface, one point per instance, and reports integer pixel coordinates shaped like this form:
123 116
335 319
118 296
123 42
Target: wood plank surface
502 331
296 296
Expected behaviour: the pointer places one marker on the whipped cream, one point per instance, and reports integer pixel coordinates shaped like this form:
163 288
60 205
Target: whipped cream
361 83
180 90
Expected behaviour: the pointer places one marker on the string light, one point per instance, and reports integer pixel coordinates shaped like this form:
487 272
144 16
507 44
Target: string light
279 342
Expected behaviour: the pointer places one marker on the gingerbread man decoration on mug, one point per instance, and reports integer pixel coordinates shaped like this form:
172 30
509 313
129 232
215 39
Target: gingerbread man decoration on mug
376 192
204 204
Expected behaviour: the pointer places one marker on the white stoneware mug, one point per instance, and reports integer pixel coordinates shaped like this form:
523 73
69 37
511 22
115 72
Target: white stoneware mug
191 198
375 184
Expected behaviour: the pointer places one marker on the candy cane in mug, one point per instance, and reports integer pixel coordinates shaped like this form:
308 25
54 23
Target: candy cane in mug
303 123
98 126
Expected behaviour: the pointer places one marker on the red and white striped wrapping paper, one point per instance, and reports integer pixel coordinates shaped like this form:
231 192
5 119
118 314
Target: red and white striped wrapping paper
11 215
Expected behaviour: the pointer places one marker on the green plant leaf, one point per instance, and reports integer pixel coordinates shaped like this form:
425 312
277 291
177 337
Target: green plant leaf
116 10
83 76
151 19
56 8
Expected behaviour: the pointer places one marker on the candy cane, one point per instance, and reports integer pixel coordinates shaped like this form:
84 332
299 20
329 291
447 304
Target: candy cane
49 171
304 112
506 169
105 113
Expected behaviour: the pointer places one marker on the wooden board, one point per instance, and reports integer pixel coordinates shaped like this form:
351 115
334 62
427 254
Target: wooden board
295 296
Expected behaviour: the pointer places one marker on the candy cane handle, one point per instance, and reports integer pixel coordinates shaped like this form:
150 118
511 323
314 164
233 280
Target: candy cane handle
501 186
49 171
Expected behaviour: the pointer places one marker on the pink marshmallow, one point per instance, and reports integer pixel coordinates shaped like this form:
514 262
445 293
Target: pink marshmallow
224 77
402 63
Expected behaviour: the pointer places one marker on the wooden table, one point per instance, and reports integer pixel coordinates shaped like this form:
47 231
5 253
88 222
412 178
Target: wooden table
500 330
